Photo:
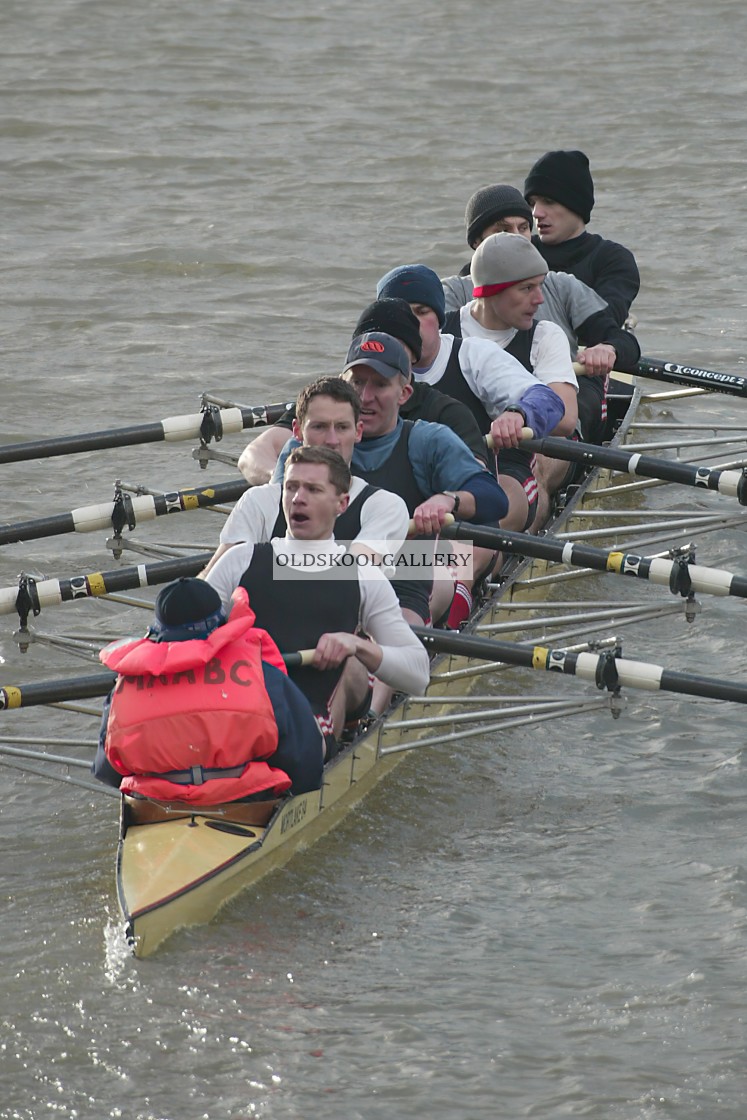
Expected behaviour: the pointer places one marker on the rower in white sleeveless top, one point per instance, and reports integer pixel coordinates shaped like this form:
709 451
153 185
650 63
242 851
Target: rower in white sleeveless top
328 415
304 598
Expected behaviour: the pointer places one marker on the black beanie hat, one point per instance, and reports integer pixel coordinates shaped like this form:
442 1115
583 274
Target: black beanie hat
565 178
187 608
491 203
395 317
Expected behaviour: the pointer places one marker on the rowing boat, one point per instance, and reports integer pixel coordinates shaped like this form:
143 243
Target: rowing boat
177 866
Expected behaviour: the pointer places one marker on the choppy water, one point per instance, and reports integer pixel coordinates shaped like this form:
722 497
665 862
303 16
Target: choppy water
202 197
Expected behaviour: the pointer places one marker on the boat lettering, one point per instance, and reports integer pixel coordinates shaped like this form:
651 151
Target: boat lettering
292 815
706 374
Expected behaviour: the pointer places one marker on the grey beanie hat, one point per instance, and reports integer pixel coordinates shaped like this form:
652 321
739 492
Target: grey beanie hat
504 259
491 203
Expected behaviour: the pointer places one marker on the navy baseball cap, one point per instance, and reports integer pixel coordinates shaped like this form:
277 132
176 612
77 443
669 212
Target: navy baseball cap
379 351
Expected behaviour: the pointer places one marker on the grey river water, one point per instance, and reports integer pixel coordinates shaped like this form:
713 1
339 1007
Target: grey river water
202 197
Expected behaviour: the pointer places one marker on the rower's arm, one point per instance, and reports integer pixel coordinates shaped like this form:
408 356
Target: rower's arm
215 557
259 458
568 394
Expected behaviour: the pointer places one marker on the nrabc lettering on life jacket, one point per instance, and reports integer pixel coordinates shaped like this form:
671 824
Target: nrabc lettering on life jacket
192 706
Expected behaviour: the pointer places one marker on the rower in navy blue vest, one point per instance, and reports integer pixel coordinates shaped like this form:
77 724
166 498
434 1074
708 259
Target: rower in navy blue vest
306 596
426 464
258 460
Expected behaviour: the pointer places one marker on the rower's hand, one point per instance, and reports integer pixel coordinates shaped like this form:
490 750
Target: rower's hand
332 649
597 360
430 516
506 430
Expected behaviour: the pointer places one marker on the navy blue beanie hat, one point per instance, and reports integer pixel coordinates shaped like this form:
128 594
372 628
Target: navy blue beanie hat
563 177
417 284
186 609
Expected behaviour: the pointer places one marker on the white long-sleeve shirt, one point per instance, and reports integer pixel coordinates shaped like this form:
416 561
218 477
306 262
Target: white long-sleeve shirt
496 378
404 664
384 516
550 354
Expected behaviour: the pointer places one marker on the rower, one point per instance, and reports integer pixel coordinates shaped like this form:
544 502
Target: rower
203 710
394 316
560 190
327 414
508 274
307 596
258 460
425 463
487 378
583 313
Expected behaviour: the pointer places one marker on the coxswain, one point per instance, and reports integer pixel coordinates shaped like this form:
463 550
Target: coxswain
203 710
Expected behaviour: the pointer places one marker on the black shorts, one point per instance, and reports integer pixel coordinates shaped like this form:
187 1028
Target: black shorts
592 408
415 595
519 464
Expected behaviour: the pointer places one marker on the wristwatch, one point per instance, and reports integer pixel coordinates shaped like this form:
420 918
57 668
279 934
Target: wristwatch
457 500
515 408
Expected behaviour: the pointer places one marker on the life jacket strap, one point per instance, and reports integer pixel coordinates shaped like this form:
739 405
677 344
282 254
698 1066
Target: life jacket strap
198 775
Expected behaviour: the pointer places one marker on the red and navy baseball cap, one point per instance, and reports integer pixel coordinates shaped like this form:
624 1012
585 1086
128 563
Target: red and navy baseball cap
379 351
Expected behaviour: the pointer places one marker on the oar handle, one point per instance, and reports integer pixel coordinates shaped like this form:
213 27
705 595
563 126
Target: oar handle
526 433
299 658
449 519
581 371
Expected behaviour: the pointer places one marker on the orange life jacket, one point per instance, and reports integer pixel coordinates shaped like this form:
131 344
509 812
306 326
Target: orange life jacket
192 721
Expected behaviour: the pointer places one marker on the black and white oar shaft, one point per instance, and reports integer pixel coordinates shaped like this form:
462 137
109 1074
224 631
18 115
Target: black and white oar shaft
55 692
729 482
141 507
681 576
32 595
605 670
97 684
170 430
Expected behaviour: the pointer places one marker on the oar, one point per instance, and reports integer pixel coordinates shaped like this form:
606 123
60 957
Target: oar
122 510
68 779
97 684
606 670
31 595
680 576
675 373
211 424
729 482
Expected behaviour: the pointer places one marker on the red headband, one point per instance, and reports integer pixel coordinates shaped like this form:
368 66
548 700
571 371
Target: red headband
485 290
